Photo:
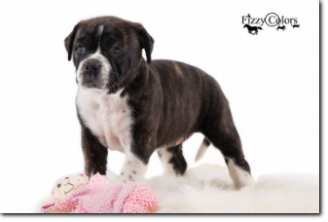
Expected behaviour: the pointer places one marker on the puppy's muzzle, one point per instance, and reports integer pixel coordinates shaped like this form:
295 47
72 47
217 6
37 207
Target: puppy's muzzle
91 71
92 67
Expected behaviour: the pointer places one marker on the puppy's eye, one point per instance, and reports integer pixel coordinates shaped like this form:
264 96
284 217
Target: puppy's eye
116 50
80 48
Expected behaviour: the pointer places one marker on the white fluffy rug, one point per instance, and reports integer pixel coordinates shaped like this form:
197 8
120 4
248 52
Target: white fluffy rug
209 189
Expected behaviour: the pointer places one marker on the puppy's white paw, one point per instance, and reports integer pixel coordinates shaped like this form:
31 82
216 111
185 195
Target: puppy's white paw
129 177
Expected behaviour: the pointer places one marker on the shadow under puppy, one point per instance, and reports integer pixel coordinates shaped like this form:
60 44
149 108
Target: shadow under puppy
135 106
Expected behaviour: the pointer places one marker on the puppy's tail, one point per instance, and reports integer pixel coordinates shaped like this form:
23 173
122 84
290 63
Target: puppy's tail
202 149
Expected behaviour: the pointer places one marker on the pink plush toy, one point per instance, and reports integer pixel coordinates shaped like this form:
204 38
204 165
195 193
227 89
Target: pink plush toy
75 194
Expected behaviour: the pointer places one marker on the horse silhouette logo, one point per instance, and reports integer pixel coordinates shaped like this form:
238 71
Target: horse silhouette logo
296 25
252 29
281 27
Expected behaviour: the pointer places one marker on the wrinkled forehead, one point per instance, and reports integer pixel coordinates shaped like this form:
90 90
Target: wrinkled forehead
114 28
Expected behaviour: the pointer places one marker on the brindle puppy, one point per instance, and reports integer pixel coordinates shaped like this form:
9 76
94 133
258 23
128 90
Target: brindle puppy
125 103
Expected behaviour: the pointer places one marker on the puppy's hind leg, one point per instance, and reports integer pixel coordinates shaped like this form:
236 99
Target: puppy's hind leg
173 160
222 133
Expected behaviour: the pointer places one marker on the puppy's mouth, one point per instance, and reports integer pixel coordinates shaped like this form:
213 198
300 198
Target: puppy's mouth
90 82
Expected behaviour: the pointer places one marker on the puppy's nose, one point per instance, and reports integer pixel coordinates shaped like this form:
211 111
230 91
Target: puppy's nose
92 67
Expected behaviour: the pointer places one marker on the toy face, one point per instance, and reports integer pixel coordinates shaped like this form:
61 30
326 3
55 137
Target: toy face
66 186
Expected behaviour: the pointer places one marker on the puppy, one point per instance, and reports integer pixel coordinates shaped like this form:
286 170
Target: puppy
135 106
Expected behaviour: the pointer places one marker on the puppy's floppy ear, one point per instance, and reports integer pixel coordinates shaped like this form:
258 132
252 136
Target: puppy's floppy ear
146 41
69 42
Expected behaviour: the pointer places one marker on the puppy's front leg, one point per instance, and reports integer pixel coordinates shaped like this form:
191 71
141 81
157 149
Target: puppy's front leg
95 154
138 148
137 153
133 169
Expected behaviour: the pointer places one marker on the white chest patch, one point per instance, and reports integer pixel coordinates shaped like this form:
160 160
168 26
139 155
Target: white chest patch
108 116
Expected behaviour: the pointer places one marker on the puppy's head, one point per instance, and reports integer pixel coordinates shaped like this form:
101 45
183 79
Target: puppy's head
106 51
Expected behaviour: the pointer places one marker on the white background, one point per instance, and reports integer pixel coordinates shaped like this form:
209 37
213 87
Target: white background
271 81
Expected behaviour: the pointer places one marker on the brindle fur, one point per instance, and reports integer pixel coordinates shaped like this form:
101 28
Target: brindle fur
170 100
